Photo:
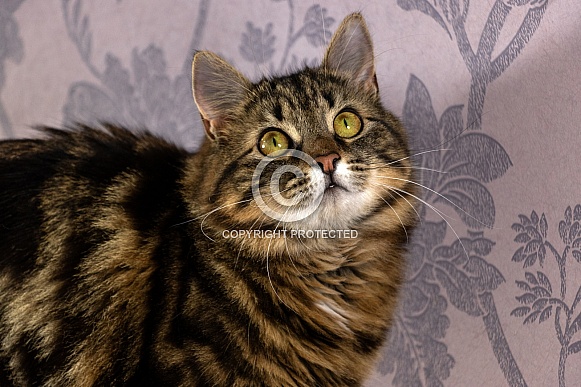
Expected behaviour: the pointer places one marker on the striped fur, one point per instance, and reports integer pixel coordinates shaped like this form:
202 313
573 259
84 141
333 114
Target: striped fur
115 269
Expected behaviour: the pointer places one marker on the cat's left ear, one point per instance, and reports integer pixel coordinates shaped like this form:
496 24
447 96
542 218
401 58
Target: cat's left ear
218 90
351 52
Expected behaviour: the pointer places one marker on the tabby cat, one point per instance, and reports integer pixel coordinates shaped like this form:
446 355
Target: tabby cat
271 257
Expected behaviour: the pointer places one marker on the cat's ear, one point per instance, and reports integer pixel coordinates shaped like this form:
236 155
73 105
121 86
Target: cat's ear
351 52
218 89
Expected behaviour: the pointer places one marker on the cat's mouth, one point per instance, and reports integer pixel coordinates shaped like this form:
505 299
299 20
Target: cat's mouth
334 192
331 184
334 187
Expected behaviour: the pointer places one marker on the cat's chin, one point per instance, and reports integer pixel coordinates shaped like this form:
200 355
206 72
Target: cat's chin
339 209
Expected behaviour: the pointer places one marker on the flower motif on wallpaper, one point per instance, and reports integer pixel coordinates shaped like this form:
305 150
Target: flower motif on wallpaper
142 95
539 301
453 166
258 45
316 26
531 3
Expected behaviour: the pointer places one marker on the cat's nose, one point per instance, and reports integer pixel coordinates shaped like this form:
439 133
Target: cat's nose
327 162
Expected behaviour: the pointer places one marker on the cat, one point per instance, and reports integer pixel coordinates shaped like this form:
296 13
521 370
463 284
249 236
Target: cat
270 257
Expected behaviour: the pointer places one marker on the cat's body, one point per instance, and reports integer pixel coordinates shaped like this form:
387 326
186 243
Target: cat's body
125 259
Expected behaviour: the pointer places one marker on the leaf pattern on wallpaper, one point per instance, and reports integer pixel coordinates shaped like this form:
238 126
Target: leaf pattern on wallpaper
10 49
453 167
416 352
452 14
464 273
316 26
539 301
142 95
454 164
258 44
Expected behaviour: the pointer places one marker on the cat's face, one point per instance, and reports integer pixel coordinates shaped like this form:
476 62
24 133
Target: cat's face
313 150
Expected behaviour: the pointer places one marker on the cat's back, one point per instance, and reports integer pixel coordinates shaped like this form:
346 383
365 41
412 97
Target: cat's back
68 180
82 150
79 214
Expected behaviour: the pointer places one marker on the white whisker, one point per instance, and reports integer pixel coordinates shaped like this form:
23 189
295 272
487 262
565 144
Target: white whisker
396 214
268 271
418 154
421 169
438 212
440 195
289 253
384 187
207 214
242 244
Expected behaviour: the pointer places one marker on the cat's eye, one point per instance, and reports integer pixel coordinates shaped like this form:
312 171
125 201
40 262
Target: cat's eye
347 124
272 141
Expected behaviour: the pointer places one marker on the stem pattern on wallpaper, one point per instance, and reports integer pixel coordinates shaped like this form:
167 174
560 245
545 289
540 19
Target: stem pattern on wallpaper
484 69
455 167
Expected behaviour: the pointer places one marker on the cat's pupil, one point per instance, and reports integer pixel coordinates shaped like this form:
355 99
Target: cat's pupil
345 123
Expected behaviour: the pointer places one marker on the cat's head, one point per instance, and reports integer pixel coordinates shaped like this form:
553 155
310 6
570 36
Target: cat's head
312 150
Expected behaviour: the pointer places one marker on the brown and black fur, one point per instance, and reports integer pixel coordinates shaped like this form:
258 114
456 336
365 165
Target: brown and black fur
114 269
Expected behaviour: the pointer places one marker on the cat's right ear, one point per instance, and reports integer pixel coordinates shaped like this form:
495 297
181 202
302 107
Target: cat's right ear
218 89
351 52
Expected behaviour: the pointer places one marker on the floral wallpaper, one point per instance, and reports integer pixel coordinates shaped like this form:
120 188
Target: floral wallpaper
489 92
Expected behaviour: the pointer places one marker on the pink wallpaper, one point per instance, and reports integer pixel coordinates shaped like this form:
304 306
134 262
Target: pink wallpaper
489 91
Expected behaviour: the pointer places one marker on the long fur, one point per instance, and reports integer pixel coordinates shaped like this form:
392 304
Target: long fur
114 268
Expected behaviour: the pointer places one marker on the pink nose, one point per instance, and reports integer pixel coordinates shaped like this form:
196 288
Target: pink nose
327 162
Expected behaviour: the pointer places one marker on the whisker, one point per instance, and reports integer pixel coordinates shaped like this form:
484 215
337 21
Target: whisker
396 214
438 212
367 168
289 253
418 168
207 214
437 147
386 187
418 154
242 243
268 271
440 195
239 252
211 212
455 137
405 158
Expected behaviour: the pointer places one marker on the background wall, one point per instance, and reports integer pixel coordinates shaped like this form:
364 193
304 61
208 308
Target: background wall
489 90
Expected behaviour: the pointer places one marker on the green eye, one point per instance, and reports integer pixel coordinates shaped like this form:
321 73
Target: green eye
273 141
347 124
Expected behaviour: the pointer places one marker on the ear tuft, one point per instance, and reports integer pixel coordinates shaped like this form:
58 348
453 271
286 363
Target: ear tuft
351 52
218 89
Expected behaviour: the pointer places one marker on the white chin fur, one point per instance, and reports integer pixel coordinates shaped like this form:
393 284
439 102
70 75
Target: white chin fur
340 207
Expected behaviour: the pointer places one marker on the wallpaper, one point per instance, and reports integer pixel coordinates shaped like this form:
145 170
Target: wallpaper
489 92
